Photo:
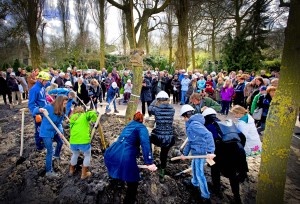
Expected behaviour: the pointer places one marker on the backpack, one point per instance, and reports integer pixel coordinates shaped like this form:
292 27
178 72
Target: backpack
227 131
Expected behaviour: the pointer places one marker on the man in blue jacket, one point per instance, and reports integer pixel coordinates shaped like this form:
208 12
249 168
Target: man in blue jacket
37 98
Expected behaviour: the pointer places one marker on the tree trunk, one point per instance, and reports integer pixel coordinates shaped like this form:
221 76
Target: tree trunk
32 26
102 34
282 116
237 18
124 33
213 44
147 43
170 48
182 8
193 49
129 30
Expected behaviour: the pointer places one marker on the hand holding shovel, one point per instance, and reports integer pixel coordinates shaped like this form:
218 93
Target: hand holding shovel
208 157
151 167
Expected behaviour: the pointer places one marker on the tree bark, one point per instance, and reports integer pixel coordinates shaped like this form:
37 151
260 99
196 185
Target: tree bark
182 8
213 44
282 116
193 49
102 34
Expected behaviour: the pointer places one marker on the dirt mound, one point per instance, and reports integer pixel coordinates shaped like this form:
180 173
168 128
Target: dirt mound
26 182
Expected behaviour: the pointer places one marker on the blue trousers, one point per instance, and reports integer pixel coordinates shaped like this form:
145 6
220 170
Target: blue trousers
48 143
38 140
114 102
198 178
183 98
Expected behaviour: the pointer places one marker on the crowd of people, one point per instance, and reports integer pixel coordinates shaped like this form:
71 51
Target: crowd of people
202 95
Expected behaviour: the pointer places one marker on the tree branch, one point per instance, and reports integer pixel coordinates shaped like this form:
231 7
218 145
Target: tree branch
284 4
119 6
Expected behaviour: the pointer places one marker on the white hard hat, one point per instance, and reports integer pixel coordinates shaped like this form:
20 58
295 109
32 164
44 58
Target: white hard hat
129 80
68 83
186 108
162 95
186 74
62 74
209 111
194 76
114 85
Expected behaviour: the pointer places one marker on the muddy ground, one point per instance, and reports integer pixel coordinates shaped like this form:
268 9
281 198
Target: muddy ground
26 183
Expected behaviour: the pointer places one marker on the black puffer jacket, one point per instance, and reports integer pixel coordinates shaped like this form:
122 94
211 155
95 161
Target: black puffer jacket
162 134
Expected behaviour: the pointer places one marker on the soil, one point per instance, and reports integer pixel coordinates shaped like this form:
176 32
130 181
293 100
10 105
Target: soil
26 183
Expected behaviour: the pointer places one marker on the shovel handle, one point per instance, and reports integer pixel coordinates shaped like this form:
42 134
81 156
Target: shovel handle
81 102
46 114
190 157
94 128
22 132
183 144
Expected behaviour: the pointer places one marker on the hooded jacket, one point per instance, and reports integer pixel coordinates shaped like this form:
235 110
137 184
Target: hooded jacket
162 134
246 126
200 140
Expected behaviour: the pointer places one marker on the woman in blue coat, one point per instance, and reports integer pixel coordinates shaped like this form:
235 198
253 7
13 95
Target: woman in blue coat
56 112
162 134
120 157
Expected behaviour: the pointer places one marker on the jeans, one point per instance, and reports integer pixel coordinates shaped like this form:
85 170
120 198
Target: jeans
225 107
48 144
183 98
38 140
86 148
198 178
114 102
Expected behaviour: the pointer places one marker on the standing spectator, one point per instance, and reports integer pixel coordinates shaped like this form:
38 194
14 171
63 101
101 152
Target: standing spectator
176 89
201 84
127 91
125 78
23 77
184 87
192 88
154 83
168 87
56 112
94 92
60 80
263 74
81 91
18 72
219 87
264 102
248 90
37 99
109 80
146 96
162 134
239 92
226 96
31 80
4 90
12 84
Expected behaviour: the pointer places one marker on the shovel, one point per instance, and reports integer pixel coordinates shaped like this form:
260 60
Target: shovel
209 161
100 132
177 152
184 171
22 159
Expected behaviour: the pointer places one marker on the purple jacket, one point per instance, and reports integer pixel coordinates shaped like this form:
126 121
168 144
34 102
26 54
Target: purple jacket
227 93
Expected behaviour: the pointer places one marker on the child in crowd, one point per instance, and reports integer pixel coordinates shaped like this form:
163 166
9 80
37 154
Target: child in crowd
80 139
127 91
227 92
246 126
56 112
200 142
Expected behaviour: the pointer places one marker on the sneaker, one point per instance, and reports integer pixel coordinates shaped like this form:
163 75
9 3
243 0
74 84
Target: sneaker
116 111
107 111
52 175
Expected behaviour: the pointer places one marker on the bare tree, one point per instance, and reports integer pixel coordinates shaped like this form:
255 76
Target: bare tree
81 10
122 27
64 15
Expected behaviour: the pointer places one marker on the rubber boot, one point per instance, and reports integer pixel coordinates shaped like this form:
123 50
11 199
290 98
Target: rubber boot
72 170
162 175
85 172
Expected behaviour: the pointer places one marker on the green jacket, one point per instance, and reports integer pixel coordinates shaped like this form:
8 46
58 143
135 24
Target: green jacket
80 127
208 102
254 103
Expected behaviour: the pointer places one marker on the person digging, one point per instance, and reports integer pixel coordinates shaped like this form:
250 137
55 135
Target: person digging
111 97
80 139
162 134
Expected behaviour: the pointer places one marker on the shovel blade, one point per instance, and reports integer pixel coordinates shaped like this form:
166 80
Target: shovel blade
20 161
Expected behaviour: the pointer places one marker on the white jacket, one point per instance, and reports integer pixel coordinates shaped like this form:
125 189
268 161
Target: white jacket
253 143
127 88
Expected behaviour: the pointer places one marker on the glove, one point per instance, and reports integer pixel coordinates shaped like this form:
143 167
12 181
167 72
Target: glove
152 167
38 118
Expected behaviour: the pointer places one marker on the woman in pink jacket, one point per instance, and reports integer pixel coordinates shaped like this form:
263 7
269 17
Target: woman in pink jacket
226 95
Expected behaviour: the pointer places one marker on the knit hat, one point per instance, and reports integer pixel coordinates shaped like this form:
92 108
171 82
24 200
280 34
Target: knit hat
263 88
138 117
